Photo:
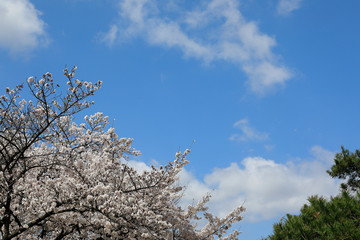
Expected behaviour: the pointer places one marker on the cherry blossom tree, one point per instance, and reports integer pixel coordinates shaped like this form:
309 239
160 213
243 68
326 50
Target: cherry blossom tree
63 180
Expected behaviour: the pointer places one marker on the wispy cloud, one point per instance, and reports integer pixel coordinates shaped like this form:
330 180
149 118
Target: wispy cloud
110 36
211 31
285 7
248 133
21 27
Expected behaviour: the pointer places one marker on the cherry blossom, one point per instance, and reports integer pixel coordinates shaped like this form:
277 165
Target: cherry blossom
64 180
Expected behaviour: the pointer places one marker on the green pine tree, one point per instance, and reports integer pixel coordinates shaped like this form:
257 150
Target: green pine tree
334 219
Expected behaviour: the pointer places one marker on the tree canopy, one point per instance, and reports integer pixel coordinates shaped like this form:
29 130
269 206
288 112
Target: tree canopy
64 180
334 219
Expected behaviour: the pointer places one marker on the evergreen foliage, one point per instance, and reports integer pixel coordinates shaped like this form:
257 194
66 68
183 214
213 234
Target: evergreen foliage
334 219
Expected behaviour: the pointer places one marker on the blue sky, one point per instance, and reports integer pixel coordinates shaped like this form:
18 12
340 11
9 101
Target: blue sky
264 92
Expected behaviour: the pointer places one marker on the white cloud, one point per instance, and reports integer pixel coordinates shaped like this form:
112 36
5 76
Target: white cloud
248 133
214 30
287 6
21 27
268 189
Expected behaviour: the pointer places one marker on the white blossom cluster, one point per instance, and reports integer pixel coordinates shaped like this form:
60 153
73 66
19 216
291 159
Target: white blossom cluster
62 180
